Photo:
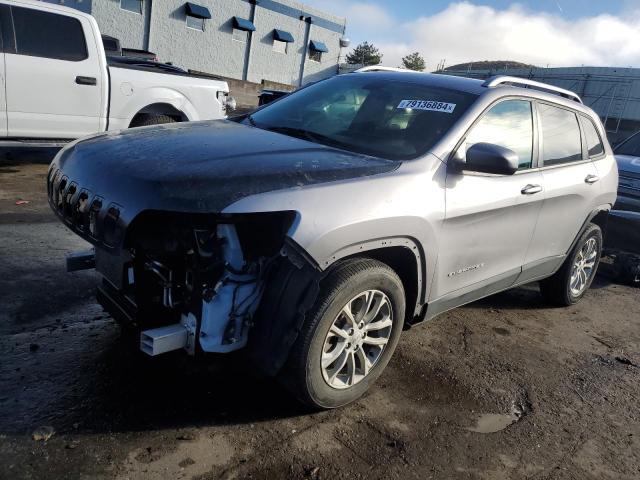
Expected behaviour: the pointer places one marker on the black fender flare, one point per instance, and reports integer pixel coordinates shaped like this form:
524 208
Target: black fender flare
292 287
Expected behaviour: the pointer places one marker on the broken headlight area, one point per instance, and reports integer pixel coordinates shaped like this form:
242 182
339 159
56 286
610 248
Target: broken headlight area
192 281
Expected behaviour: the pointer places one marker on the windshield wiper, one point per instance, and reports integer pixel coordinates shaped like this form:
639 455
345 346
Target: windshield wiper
307 135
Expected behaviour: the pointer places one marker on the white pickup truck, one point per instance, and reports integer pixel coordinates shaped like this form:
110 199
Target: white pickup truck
57 84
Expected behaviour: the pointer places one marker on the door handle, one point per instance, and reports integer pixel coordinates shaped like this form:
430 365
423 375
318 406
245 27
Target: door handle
86 80
531 189
590 179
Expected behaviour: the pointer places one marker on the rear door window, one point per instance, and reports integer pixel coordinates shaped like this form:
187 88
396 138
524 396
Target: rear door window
510 125
591 136
561 141
48 35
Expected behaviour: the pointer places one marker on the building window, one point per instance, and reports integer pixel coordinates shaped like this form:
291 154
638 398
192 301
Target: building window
196 23
315 55
241 29
280 40
134 6
280 46
316 49
240 35
196 15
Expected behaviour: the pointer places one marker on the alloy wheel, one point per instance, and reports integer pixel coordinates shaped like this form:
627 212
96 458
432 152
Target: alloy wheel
583 267
357 337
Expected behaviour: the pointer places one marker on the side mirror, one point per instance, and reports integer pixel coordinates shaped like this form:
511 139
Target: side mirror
490 158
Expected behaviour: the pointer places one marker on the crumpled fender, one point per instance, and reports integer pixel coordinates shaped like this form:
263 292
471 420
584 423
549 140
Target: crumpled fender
292 289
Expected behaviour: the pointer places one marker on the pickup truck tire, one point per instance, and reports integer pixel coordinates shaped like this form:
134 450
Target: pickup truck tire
569 284
338 356
146 119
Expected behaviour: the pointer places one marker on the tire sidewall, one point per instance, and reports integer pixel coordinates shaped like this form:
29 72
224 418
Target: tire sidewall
320 393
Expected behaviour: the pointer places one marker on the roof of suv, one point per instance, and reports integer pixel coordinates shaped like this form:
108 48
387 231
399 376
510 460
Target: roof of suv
475 86
463 84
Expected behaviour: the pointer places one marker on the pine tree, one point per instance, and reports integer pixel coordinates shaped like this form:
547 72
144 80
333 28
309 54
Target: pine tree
364 54
414 61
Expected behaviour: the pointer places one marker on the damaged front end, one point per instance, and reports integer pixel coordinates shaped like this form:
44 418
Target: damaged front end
191 281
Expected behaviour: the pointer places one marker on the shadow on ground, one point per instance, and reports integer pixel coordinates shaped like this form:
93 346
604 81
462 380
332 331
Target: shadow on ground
11 156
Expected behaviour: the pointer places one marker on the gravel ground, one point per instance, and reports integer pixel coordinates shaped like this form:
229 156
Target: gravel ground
505 388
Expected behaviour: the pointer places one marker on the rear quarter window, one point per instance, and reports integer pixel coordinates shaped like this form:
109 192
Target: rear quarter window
561 140
48 35
594 143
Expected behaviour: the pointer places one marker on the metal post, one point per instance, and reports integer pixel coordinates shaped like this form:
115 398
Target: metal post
305 48
247 50
146 39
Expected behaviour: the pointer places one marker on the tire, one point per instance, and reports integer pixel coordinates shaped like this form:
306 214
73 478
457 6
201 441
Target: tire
146 119
557 289
353 283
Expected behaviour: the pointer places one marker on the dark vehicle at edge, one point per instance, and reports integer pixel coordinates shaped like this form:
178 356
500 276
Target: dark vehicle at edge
623 234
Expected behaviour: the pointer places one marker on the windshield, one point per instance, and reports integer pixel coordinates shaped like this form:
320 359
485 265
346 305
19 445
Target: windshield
630 147
389 119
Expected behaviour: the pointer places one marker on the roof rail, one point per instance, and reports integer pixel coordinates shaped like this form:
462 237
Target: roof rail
380 68
517 81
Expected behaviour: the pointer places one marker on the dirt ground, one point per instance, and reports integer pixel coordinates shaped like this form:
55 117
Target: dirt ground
505 388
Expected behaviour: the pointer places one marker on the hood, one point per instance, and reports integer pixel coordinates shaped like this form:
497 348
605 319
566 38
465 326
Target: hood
197 167
628 163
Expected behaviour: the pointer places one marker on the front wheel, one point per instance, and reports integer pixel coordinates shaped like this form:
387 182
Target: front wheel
349 335
569 284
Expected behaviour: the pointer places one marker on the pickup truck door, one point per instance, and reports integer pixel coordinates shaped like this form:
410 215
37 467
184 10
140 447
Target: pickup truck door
490 219
54 75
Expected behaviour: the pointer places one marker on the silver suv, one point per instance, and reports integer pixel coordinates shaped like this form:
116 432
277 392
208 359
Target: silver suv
311 232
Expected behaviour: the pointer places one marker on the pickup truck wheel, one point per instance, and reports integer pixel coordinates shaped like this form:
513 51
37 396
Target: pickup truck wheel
146 119
569 284
348 336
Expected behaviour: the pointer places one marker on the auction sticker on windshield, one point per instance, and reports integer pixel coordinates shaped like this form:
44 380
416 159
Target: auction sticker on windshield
431 105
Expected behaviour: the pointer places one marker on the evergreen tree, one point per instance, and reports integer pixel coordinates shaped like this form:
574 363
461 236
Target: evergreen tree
364 54
414 61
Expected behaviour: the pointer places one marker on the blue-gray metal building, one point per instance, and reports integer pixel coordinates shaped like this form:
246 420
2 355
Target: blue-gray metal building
276 40
613 93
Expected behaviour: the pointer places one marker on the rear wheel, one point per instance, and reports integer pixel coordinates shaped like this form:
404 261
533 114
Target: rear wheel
146 119
349 335
569 284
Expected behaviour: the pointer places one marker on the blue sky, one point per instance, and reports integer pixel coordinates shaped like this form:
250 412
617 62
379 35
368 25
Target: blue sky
553 32
570 8
408 9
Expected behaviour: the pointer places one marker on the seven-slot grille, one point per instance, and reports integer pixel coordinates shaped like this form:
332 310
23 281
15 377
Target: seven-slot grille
84 211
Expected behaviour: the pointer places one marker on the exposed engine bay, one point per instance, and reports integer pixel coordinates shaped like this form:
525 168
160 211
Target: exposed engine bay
191 281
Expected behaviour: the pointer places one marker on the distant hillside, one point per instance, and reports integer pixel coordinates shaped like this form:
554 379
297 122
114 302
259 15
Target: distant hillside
489 65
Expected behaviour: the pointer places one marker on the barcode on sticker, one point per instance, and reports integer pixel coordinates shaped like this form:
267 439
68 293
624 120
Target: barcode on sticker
431 105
